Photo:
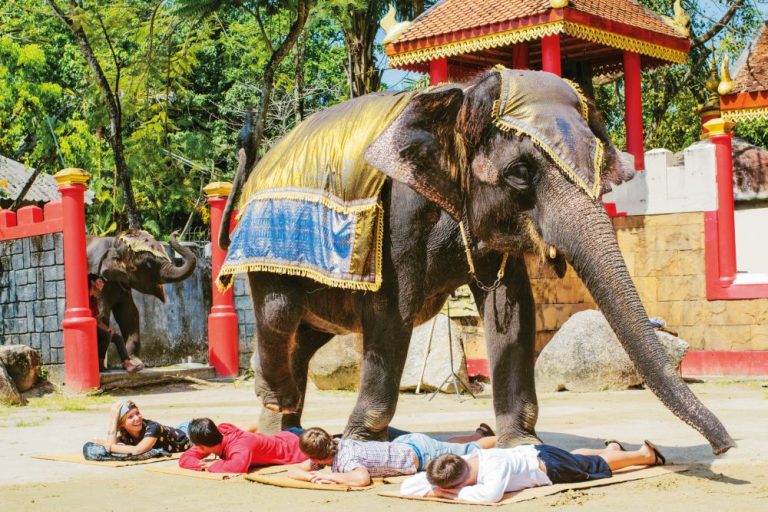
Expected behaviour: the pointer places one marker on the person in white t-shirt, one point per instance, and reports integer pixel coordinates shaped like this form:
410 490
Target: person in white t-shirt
485 475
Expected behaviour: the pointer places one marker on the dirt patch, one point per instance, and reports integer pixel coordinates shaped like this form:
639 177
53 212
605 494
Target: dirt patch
736 481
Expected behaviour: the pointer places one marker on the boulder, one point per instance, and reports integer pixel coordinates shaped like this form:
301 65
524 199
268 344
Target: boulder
437 357
337 364
9 394
22 364
585 355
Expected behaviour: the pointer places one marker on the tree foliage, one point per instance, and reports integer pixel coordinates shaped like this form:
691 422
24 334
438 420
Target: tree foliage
184 72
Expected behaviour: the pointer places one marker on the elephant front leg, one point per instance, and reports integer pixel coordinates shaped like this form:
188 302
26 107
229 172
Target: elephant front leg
385 347
510 332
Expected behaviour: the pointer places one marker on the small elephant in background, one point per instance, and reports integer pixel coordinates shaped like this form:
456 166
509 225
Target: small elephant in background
134 260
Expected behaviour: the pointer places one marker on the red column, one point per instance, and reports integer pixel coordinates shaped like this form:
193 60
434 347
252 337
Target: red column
720 135
81 367
550 54
520 56
633 108
438 71
223 338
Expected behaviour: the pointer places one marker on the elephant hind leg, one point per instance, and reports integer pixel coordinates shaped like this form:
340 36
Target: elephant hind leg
278 309
308 341
127 317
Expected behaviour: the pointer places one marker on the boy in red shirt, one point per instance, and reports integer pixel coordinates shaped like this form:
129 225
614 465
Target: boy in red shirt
237 449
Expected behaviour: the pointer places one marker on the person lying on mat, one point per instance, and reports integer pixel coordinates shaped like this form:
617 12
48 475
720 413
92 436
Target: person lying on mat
356 462
485 475
238 450
129 432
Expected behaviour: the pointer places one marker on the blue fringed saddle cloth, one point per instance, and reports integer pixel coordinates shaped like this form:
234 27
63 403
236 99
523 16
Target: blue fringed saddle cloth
311 206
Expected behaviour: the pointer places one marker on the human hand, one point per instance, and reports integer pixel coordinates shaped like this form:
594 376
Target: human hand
450 494
116 407
319 478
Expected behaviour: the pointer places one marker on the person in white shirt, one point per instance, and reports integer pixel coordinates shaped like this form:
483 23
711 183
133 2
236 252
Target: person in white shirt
485 475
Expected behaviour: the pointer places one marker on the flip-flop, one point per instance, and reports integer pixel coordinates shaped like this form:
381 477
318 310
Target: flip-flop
485 430
660 459
612 441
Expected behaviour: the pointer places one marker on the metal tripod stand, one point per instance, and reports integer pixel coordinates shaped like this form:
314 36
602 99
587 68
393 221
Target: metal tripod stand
452 375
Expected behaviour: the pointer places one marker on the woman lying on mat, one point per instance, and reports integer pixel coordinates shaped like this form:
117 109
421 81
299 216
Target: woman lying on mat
485 475
129 432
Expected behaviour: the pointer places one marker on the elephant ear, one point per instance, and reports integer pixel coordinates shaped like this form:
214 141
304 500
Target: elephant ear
419 148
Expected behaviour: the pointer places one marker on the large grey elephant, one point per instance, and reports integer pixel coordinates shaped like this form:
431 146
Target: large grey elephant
513 161
133 260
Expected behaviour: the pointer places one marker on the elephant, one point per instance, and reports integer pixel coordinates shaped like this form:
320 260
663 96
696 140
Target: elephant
134 260
477 174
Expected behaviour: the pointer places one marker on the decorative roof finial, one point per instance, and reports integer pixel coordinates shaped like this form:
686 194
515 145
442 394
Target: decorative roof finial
726 83
391 26
558 4
681 22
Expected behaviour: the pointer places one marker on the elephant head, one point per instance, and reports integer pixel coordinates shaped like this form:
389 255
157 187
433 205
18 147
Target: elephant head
139 261
520 158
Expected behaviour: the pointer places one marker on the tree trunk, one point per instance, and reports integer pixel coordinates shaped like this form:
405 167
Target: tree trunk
298 90
362 75
113 108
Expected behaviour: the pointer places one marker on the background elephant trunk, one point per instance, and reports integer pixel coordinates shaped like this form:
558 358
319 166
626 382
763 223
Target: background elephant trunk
584 233
170 273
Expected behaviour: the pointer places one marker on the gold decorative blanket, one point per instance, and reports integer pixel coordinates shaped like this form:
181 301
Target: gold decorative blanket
311 206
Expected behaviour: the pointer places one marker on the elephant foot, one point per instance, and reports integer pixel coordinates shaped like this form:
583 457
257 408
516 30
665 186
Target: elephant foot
363 434
281 402
512 440
273 422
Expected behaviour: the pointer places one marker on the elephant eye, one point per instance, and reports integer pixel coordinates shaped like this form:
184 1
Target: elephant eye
518 175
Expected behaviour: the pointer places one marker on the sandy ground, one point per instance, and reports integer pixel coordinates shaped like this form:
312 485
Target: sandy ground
737 481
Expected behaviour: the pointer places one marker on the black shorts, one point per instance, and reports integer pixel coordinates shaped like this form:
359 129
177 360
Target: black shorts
565 467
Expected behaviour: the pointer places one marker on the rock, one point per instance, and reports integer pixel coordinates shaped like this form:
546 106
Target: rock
8 393
438 361
22 364
585 355
337 364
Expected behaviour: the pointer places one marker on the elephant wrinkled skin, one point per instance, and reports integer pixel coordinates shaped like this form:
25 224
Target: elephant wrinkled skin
133 261
449 158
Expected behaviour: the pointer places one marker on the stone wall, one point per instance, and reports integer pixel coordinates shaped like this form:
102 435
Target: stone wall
176 330
245 319
32 295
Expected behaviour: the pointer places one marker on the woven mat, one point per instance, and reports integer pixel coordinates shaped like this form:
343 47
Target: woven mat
79 459
624 475
175 470
281 480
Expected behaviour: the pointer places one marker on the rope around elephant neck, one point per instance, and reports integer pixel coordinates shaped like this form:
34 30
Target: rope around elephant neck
471 263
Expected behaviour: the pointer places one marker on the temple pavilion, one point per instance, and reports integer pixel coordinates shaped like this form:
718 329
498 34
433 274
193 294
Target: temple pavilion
746 96
576 39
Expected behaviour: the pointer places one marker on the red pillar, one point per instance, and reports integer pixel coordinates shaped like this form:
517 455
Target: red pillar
81 366
520 56
438 71
720 135
550 54
633 108
223 338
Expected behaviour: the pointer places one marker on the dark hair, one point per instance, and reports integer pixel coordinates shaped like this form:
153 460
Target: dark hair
447 471
203 431
92 278
317 444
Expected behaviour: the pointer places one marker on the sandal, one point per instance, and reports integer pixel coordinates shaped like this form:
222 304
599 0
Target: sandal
484 430
660 459
612 441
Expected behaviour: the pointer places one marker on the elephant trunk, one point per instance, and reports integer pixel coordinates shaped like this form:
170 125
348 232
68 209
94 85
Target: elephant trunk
170 273
584 233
